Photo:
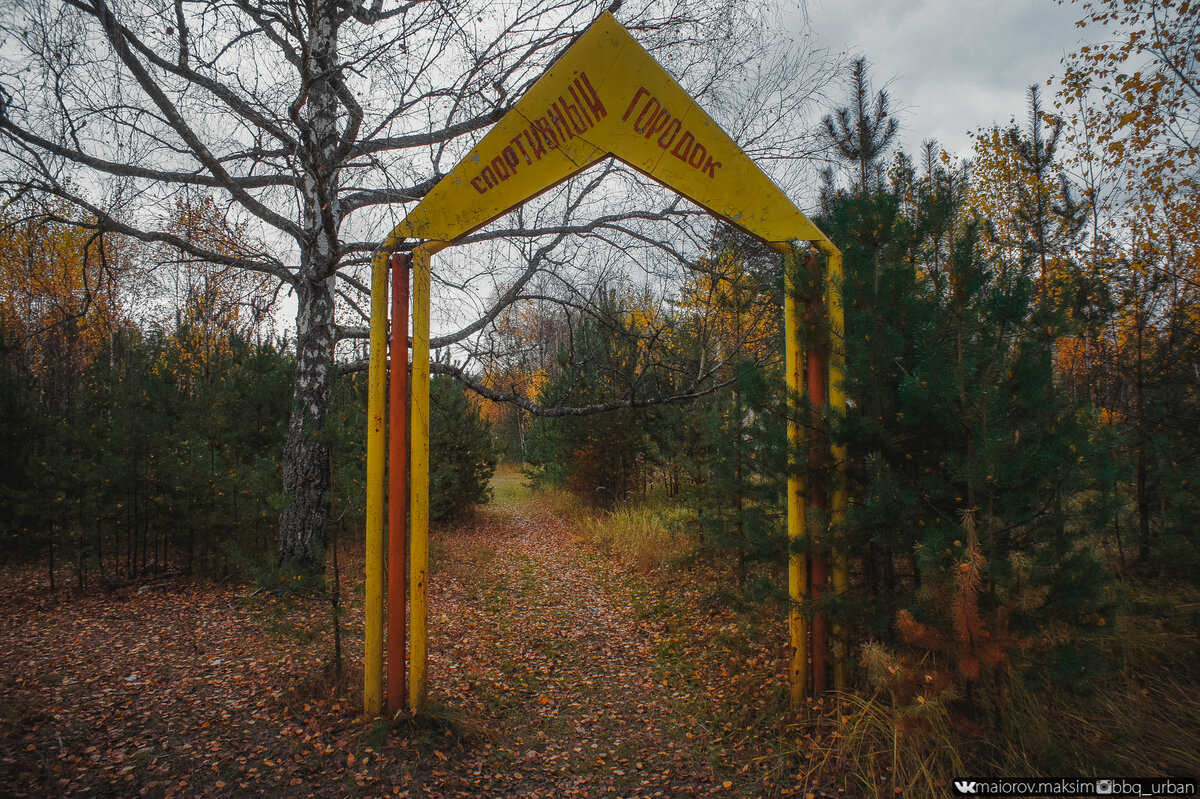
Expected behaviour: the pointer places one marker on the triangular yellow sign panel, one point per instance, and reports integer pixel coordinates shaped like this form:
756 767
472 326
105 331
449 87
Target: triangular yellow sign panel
605 96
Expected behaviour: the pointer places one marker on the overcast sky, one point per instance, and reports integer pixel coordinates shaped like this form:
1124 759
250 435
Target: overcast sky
950 66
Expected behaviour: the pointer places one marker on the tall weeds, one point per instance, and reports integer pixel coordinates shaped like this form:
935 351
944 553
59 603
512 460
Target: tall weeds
643 535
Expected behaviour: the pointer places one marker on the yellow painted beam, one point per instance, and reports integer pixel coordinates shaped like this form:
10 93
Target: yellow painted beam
797 563
835 308
419 506
376 413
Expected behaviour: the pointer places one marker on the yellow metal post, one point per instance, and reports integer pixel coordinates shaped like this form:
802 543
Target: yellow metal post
797 563
837 408
419 526
817 494
376 411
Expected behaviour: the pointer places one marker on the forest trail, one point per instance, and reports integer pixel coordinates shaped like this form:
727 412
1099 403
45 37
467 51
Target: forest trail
544 644
555 671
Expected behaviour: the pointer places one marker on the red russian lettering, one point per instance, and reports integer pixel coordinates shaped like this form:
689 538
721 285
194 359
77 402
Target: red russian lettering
641 90
510 158
647 115
535 143
547 131
572 114
697 156
500 167
489 177
684 148
478 187
588 121
660 121
593 101
668 135
517 141
560 122
710 166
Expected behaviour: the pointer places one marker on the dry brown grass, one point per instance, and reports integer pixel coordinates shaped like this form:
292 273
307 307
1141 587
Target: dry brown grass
643 535
1143 718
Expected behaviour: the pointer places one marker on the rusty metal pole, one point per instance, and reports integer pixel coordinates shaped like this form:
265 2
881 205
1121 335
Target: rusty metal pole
819 463
397 486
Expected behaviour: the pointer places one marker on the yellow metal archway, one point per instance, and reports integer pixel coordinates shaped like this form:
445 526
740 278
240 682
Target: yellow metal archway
604 97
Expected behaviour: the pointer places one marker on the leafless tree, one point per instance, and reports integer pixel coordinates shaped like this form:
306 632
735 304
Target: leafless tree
321 121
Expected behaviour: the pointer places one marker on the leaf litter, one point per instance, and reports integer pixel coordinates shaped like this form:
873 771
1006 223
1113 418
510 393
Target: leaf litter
554 671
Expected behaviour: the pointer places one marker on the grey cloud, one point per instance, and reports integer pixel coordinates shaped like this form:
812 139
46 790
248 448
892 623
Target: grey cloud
951 65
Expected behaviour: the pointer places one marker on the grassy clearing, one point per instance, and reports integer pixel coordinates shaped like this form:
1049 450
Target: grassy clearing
509 487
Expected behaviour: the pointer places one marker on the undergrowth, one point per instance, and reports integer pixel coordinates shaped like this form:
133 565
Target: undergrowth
1140 716
1143 718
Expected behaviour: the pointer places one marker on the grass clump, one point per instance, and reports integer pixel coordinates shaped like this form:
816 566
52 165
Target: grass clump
644 535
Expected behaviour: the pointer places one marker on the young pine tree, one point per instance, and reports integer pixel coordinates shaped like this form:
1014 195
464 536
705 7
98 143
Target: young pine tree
958 420
462 454
601 457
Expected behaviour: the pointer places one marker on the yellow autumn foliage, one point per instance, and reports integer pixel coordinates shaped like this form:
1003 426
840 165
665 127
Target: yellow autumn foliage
727 311
59 288
214 302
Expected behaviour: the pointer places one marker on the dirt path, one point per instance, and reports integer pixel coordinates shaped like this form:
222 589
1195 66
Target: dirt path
542 643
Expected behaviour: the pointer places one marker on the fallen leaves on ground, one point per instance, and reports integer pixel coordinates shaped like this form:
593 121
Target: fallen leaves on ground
554 671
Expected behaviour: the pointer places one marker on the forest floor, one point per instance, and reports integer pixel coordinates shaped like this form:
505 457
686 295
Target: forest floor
554 671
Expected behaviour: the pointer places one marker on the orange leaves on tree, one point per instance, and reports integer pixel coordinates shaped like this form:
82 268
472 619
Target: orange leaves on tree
1135 106
729 312
1020 188
974 642
525 340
